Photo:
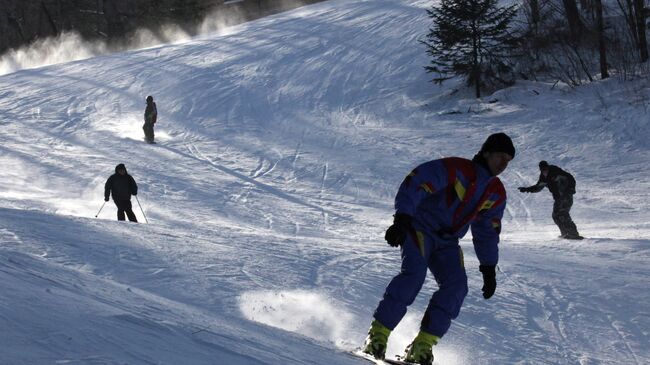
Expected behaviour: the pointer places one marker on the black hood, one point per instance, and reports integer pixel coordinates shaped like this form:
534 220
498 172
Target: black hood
543 165
499 142
120 167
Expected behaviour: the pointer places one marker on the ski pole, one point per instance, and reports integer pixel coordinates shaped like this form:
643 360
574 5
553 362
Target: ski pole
100 209
145 217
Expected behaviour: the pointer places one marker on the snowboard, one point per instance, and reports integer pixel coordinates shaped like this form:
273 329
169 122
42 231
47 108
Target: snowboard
363 355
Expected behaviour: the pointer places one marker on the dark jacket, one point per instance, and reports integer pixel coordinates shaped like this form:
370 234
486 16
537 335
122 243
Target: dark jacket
559 182
122 186
151 113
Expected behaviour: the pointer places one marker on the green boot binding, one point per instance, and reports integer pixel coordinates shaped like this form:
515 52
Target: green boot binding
377 340
420 350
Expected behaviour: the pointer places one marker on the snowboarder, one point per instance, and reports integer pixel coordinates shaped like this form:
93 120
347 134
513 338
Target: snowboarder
150 118
436 205
122 186
562 185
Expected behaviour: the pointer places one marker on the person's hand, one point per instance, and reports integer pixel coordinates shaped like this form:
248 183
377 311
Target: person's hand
396 233
523 189
105 199
489 280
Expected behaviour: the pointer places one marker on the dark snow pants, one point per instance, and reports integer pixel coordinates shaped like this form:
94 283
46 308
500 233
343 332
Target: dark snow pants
561 217
148 132
419 253
124 206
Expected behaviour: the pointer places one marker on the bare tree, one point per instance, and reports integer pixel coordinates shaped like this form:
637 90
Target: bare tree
602 48
573 17
639 10
534 11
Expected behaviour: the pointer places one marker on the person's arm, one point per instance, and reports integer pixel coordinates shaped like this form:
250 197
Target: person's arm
107 188
539 186
148 114
134 186
424 180
485 232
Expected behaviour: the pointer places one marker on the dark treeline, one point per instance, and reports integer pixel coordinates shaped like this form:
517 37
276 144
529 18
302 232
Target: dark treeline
115 21
573 41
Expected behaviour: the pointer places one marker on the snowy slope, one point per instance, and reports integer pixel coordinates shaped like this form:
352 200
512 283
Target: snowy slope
281 146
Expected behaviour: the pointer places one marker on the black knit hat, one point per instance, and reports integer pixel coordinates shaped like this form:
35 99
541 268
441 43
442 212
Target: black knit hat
120 167
543 165
499 142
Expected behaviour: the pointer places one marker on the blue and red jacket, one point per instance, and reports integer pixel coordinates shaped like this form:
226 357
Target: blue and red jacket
447 196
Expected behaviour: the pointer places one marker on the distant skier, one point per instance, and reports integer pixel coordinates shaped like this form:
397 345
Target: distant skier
436 205
562 185
122 186
150 118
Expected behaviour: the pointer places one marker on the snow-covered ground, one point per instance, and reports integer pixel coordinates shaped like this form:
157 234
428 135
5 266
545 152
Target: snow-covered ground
281 146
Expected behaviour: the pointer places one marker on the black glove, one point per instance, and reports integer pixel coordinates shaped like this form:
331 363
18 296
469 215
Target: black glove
396 234
524 190
105 198
489 280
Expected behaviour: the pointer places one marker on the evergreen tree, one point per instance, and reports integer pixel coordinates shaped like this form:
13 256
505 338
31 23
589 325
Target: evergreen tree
471 38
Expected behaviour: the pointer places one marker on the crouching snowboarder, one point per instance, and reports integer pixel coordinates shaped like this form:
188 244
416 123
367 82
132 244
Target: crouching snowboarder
150 118
121 185
562 185
436 204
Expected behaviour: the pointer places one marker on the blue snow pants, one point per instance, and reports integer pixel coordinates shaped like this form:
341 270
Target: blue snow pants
419 253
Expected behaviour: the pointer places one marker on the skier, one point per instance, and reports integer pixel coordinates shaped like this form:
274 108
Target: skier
562 185
150 118
436 205
122 185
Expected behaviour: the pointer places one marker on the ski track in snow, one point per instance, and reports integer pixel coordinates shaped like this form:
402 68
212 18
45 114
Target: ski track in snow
281 145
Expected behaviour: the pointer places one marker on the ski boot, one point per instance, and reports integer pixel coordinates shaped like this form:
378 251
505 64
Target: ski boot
573 237
420 350
377 340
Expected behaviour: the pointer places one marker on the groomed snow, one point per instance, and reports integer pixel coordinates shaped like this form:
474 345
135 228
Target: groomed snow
280 147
